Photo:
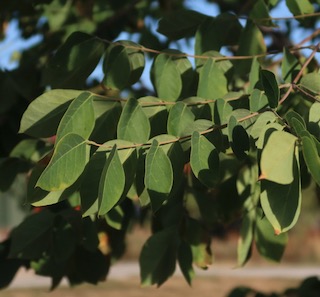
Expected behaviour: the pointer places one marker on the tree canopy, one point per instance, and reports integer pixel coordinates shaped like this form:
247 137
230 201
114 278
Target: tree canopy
229 133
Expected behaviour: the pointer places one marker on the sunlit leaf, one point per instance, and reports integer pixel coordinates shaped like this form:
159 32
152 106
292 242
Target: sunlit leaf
277 158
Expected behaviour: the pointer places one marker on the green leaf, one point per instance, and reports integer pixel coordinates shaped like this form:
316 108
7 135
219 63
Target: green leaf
282 203
216 32
298 7
296 121
263 119
185 261
133 124
112 183
156 270
290 66
66 165
238 138
166 77
277 158
270 86
179 120
31 238
180 24
258 100
74 61
123 64
251 43
158 175
246 238
311 157
212 81
269 245
221 112
311 82
79 117
260 14
39 197
114 218
254 76
204 160
314 119
42 117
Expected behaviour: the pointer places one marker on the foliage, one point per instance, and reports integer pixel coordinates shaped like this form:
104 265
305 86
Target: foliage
221 139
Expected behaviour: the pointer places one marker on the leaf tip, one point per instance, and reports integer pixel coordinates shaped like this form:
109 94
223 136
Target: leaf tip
277 231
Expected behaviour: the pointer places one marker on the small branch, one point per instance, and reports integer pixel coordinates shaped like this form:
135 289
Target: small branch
306 93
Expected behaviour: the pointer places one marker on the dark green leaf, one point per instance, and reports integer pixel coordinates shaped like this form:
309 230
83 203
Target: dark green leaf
156 270
180 24
269 245
214 33
185 261
31 238
260 14
270 87
74 61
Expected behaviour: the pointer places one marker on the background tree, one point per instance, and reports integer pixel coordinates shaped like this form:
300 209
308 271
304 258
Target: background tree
228 135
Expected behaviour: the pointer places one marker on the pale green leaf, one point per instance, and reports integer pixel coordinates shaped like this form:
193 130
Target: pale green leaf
133 125
282 203
277 158
66 165
112 183
311 82
258 100
254 76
